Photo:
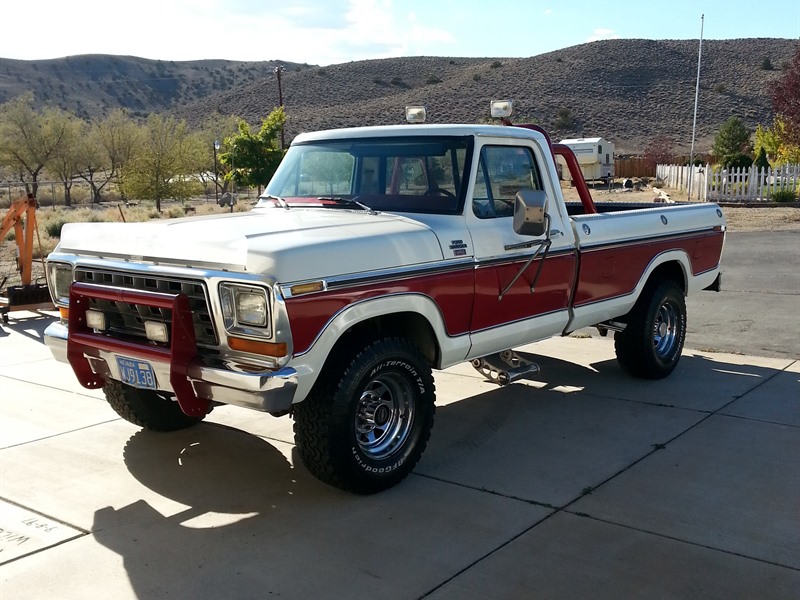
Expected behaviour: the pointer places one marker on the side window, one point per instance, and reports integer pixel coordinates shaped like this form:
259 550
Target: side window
502 172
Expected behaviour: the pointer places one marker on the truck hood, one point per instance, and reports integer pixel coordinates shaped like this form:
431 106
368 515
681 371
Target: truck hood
290 245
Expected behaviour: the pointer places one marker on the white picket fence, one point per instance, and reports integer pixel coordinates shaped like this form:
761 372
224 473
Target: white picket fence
714 183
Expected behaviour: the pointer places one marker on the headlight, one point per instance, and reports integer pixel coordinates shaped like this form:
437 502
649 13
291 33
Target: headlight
59 278
245 309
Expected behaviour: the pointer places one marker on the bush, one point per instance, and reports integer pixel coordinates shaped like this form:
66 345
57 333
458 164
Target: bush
766 64
53 228
564 119
175 212
737 161
496 64
720 88
783 196
476 77
432 80
761 162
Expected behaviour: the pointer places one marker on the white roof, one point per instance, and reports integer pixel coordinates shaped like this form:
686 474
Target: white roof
593 140
420 130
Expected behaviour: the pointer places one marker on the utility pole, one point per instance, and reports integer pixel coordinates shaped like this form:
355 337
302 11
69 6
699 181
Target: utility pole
278 70
696 96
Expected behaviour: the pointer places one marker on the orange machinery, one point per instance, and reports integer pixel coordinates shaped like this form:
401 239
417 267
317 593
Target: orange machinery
21 217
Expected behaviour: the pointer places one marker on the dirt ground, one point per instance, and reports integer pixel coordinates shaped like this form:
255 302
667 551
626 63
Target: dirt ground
768 218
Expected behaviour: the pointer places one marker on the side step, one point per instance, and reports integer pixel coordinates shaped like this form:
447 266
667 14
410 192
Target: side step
504 367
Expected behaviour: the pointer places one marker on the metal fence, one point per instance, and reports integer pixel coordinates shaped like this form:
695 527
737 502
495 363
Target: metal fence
51 193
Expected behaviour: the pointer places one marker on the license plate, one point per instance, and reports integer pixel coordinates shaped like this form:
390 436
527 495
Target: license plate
137 373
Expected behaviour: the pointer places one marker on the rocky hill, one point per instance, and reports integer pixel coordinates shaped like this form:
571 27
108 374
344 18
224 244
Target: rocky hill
627 91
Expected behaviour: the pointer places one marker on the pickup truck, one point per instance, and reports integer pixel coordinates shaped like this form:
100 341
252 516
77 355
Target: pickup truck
375 255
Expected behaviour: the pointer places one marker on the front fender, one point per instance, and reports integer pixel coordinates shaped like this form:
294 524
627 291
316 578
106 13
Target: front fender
453 349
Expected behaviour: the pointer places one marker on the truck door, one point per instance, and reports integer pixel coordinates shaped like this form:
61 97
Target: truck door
505 314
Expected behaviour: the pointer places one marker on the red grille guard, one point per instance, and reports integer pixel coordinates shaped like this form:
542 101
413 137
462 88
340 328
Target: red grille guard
182 351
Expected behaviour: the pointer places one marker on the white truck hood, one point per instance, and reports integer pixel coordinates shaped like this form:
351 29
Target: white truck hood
289 245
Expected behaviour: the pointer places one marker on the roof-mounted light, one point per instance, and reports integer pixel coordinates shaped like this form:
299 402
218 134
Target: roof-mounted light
416 114
502 108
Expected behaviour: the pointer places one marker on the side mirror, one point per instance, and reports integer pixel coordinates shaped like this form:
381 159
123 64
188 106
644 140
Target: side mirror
529 216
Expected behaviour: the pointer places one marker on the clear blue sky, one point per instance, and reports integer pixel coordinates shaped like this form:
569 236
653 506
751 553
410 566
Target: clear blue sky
334 31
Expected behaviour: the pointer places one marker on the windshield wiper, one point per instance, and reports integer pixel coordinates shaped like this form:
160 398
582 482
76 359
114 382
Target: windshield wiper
343 200
281 202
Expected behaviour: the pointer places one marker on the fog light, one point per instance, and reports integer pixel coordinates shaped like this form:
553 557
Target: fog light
95 320
156 331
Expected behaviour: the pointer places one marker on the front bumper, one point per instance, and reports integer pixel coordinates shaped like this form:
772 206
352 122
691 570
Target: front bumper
219 381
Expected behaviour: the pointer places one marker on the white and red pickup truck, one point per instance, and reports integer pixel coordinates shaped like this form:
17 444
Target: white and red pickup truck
375 255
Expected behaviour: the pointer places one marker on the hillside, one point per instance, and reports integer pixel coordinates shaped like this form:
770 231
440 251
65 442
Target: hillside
628 91
93 84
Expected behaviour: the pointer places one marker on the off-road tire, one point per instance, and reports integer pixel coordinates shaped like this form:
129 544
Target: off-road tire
147 408
651 344
364 428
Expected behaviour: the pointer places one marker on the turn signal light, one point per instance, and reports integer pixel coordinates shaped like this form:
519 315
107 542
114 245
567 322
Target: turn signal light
255 347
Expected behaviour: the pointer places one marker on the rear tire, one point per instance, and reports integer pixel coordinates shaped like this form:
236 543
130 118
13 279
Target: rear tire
146 408
364 429
651 344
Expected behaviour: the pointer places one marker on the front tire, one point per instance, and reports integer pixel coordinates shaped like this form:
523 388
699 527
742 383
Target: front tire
651 344
365 429
146 408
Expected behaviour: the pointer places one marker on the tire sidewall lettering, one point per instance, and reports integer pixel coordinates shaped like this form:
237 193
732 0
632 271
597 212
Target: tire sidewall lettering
376 470
404 367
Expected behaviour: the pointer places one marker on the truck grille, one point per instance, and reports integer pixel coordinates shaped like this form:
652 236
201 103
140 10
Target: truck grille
127 320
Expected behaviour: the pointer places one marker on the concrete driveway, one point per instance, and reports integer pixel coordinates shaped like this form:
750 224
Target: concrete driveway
583 484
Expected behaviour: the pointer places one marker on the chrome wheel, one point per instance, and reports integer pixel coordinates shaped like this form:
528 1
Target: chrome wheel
665 328
384 415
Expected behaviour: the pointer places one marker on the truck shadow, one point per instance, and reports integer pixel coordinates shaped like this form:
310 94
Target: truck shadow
239 516
31 326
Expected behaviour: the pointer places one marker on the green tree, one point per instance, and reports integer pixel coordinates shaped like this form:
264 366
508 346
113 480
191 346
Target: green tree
111 144
766 139
775 141
29 139
761 162
162 165
731 139
254 157
64 162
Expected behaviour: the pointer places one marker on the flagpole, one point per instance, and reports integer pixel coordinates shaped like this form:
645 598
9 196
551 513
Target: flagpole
696 97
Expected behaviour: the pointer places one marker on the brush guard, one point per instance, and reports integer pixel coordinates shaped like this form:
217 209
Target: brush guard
182 350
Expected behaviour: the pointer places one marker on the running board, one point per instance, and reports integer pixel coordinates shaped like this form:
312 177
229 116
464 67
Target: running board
504 367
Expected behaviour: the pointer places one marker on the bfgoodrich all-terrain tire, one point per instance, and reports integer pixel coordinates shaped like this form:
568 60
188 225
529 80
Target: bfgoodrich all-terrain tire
146 408
364 429
651 344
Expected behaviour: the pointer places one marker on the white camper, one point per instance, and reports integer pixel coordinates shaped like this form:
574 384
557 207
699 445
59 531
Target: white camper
595 157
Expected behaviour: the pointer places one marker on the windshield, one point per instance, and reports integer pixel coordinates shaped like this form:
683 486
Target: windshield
398 174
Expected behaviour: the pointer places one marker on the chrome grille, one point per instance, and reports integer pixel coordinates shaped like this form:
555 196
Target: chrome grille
126 320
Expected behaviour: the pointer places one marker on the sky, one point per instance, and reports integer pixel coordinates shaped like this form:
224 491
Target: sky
324 32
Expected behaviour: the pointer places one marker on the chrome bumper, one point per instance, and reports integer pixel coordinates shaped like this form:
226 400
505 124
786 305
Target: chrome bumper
269 391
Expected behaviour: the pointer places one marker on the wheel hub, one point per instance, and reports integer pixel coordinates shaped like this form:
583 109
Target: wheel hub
384 416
